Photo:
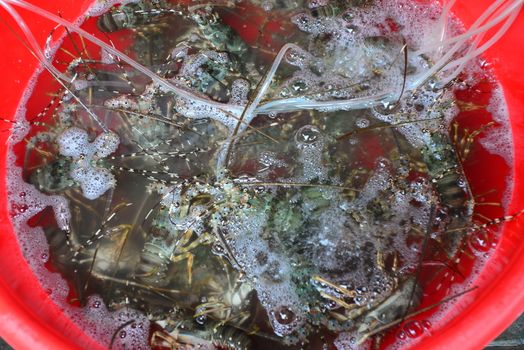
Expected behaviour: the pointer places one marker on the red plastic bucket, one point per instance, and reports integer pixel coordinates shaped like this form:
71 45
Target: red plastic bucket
30 320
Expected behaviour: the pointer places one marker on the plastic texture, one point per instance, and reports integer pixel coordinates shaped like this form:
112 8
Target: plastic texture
29 319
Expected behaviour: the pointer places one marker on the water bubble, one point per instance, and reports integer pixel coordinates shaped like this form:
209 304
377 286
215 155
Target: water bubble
413 329
284 316
307 134
352 29
362 123
401 335
361 290
480 241
461 182
331 305
348 16
387 108
295 57
122 334
299 86
301 19
432 84
285 92
267 5
201 319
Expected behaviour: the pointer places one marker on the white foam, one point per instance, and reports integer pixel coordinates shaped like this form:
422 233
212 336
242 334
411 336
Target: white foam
95 320
271 276
94 180
196 110
310 144
73 143
497 140
100 7
267 5
239 91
